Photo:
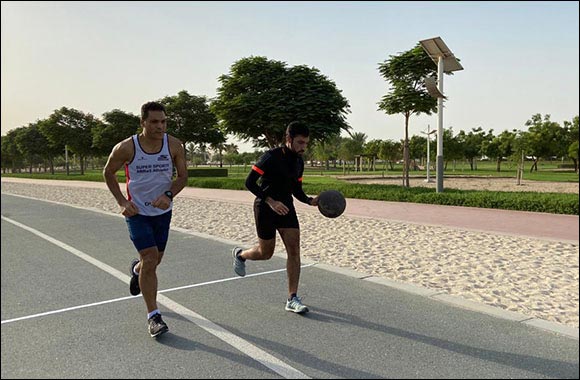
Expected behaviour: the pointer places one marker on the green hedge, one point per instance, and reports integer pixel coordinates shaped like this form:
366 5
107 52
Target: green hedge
214 172
554 203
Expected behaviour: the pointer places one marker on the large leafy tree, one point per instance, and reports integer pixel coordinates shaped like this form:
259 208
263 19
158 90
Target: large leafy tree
453 149
546 138
71 127
117 126
35 147
259 97
326 150
30 143
406 75
499 147
390 151
191 120
349 149
11 156
472 143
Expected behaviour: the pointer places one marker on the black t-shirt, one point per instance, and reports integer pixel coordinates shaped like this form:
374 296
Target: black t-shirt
278 175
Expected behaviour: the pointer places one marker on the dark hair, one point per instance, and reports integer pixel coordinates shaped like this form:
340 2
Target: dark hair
296 128
151 106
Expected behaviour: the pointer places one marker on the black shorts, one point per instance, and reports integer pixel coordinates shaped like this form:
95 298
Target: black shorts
267 221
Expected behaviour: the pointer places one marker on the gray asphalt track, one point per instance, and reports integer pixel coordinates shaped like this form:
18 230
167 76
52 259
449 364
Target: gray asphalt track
356 329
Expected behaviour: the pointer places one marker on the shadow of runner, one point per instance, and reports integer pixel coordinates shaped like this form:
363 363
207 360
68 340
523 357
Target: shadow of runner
545 367
304 357
171 339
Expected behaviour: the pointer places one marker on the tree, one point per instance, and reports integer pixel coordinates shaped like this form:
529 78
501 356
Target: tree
219 148
30 142
10 153
231 148
11 156
572 140
71 127
191 120
349 148
417 149
35 147
118 126
546 139
390 152
499 147
260 97
406 75
573 154
471 143
453 149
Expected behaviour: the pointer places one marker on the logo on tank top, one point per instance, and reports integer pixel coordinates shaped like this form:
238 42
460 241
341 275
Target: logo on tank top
163 157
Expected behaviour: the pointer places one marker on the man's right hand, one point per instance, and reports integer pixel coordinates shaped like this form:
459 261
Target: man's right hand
278 207
129 209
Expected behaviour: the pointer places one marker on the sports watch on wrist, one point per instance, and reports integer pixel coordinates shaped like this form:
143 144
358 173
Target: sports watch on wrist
169 194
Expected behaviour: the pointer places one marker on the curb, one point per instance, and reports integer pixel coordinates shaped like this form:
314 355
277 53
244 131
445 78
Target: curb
441 296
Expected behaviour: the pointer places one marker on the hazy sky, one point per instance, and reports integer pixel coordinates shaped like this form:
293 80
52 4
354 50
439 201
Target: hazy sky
519 58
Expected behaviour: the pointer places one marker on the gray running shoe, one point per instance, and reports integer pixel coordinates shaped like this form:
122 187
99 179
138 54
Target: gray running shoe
239 265
295 305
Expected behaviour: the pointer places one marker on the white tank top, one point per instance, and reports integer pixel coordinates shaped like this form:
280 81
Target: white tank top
149 175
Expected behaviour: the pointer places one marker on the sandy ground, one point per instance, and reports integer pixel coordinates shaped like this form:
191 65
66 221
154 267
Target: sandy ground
535 277
462 183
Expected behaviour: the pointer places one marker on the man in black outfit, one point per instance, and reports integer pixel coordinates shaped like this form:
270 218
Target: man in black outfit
280 170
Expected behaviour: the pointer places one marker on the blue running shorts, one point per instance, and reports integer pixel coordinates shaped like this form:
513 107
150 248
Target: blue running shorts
149 231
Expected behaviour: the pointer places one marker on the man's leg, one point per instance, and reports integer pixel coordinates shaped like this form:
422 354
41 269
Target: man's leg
291 239
263 251
147 269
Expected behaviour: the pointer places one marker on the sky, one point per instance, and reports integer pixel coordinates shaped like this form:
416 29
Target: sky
519 58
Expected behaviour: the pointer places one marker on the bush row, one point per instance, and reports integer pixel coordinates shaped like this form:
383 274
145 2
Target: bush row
554 203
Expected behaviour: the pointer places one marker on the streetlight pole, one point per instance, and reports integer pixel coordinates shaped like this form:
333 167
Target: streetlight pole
429 133
446 63
440 167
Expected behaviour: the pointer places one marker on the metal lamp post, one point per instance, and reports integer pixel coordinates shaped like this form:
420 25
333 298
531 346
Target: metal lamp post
446 63
428 133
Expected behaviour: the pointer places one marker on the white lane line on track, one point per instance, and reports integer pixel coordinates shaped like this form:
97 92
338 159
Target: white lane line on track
219 332
139 296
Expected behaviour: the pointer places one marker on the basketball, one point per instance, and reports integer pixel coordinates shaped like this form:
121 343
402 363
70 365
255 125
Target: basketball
331 203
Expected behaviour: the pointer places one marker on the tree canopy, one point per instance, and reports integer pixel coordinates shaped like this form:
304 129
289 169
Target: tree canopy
406 75
259 97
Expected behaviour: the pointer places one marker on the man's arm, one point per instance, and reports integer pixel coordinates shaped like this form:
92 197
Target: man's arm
262 165
252 182
178 156
258 170
178 152
121 153
298 192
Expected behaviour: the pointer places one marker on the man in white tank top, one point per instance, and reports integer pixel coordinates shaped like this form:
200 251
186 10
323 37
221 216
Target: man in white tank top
149 159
